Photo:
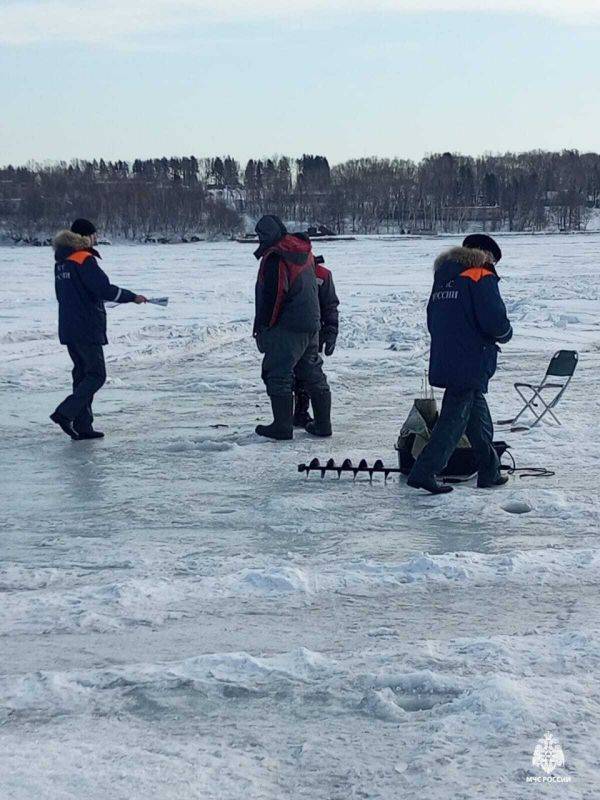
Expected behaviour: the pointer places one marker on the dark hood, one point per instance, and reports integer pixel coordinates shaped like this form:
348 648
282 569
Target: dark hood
270 230
295 248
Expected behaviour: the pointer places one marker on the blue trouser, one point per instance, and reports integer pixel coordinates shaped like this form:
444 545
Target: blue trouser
462 412
89 375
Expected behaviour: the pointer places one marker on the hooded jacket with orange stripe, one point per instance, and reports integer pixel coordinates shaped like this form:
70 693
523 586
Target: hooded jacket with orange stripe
81 290
286 287
466 317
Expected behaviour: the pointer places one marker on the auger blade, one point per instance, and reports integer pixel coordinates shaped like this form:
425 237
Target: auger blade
347 466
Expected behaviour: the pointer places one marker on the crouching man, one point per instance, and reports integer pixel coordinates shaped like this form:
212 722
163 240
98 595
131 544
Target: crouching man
466 318
286 328
81 289
328 305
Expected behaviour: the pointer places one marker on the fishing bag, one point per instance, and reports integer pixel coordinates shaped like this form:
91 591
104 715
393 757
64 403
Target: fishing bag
416 432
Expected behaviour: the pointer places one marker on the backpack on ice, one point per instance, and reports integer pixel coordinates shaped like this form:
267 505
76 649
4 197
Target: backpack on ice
416 432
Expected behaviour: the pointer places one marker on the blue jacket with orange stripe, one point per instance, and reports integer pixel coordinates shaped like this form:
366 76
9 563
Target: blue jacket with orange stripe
81 290
466 317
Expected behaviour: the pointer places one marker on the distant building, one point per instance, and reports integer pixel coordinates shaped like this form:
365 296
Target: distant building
476 213
232 196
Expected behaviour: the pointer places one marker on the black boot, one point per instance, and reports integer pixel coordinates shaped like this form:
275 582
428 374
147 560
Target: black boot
500 481
90 434
301 413
322 408
282 426
430 485
65 424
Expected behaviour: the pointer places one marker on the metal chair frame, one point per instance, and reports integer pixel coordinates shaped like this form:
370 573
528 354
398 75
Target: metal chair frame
562 365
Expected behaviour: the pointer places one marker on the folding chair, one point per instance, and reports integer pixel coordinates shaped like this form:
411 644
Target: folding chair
562 365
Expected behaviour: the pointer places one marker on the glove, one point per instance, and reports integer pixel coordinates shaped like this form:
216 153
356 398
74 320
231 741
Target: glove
328 342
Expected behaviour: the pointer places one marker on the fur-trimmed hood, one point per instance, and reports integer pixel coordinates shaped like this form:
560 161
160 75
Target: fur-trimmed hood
72 241
66 242
465 256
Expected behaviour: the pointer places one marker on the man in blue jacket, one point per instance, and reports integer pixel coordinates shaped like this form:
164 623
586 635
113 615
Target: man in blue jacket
81 290
466 318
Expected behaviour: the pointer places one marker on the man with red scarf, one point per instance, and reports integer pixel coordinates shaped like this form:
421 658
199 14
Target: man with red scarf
286 328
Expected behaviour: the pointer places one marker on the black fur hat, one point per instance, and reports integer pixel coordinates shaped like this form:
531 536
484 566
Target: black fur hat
83 227
480 241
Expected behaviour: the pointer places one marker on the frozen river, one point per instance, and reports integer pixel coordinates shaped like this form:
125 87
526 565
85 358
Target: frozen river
183 616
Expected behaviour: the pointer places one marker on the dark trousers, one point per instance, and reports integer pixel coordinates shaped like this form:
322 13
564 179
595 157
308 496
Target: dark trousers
462 412
89 374
289 357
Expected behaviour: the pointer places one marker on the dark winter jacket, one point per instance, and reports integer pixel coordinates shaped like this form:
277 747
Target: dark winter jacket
466 318
328 305
286 287
81 289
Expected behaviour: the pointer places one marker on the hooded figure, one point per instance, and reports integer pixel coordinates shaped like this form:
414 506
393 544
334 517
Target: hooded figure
286 328
81 290
467 319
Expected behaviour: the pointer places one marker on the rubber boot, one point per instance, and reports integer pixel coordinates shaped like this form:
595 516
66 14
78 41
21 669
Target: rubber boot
282 426
301 413
321 426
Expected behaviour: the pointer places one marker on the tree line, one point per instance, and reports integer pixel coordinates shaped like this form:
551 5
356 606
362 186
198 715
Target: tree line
179 198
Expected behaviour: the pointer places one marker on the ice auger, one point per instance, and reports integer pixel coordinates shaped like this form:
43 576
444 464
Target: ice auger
378 468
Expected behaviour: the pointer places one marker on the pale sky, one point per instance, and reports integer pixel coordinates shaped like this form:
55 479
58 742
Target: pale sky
251 79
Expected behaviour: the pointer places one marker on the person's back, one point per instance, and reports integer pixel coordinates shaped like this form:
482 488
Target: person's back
286 289
286 328
466 317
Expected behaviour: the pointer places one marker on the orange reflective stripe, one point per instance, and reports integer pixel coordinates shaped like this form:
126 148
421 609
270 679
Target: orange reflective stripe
476 273
79 257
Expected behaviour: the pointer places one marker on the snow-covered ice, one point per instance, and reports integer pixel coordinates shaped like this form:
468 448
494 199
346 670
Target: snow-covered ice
183 616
